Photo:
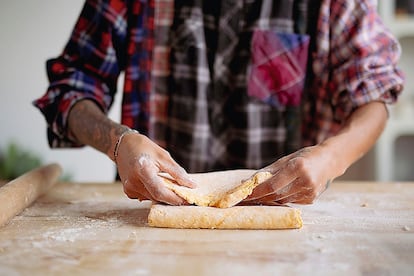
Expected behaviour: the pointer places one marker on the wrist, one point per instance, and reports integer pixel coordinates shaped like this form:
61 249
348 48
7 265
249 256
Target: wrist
120 137
337 155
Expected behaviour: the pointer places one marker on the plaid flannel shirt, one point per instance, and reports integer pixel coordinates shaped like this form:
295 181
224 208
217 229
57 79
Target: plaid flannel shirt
190 83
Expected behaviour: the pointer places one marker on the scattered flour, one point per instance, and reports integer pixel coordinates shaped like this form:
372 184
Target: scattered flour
66 235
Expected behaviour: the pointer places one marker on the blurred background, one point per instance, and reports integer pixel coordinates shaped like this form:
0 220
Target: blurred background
33 31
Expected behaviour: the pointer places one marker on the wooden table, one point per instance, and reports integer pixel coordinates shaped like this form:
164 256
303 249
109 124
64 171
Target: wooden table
353 229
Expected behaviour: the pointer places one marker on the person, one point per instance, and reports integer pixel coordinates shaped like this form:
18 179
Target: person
297 88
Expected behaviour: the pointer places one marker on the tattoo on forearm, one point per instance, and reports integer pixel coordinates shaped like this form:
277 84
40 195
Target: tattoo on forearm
91 126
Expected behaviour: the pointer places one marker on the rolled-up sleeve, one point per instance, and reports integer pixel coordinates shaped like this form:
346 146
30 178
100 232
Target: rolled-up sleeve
364 61
354 63
88 67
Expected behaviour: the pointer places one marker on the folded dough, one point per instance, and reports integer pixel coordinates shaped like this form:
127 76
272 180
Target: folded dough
237 217
221 189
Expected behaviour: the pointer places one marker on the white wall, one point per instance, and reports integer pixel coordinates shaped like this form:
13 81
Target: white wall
30 33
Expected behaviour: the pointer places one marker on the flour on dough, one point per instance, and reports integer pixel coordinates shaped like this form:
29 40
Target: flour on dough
221 189
237 217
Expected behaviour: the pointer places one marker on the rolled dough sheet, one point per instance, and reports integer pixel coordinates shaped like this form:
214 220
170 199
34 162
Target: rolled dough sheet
221 189
237 217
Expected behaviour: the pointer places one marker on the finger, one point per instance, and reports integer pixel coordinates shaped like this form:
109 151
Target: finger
141 197
267 203
297 198
135 191
309 195
181 177
293 188
154 183
162 194
178 173
277 182
277 195
304 196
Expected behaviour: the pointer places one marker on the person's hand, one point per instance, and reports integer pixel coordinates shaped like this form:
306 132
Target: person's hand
297 178
139 161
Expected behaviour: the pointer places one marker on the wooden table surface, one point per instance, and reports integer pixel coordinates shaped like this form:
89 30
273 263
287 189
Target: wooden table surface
355 228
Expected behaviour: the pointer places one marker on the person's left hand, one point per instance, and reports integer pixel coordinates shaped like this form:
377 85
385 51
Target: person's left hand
300 177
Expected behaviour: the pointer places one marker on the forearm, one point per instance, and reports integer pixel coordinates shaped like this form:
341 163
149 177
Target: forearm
89 125
303 175
358 135
139 160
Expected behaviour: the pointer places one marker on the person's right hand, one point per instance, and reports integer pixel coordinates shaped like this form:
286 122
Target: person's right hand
140 161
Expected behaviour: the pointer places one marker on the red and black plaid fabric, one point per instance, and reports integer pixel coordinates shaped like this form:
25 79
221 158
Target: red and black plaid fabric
224 84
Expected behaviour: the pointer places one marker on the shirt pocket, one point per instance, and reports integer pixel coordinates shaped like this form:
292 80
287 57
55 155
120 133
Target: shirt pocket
278 67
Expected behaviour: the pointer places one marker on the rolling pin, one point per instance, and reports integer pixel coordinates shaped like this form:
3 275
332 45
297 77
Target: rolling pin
19 193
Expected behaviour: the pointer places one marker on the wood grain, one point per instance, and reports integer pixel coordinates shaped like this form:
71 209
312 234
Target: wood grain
354 228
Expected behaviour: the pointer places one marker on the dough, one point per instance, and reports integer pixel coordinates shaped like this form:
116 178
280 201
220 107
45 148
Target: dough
237 217
221 189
